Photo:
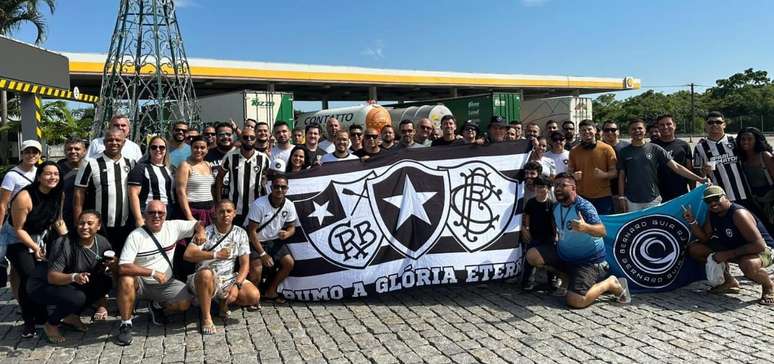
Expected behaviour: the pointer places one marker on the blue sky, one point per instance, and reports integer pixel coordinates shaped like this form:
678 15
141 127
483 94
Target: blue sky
662 42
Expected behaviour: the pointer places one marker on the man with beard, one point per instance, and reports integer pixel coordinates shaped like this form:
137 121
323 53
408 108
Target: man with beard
178 150
262 137
569 134
407 133
130 150
579 254
246 169
371 145
224 134
671 184
388 138
424 135
282 146
498 129
551 127
312 144
593 165
341 153
209 136
610 135
653 132
532 170
332 126
449 130
75 150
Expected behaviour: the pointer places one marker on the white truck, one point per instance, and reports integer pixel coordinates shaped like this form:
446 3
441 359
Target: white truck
559 109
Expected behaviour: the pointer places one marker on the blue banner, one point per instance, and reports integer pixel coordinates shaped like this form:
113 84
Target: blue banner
648 247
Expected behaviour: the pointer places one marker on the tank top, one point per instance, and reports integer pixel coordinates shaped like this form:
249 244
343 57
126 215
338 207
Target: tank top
728 235
199 187
45 207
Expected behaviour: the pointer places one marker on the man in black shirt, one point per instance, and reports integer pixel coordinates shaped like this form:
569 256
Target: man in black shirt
671 184
449 130
370 145
224 134
75 150
538 226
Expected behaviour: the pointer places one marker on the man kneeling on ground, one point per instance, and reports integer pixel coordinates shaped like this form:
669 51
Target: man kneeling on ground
579 255
272 220
215 277
145 268
735 235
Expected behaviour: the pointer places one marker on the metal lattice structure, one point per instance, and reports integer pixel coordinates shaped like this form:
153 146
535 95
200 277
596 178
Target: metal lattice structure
146 75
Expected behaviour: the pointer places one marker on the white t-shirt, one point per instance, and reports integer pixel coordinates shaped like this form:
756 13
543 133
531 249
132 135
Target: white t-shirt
561 160
236 241
549 167
16 179
142 251
261 211
330 158
130 150
280 154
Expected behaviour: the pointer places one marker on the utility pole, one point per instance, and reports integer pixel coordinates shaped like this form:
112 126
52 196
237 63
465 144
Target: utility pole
690 137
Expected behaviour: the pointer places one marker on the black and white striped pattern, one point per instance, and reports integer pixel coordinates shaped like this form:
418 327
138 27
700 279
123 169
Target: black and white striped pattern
156 182
246 178
108 178
728 168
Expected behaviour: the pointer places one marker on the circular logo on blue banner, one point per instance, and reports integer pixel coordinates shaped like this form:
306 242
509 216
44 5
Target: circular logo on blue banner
650 250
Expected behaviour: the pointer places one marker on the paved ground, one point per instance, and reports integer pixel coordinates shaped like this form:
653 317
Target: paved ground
488 324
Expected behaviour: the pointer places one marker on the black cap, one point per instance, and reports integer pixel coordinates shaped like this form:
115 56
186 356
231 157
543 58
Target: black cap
470 124
498 121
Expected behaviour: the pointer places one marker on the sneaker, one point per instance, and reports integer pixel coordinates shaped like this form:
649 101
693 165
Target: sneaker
28 331
124 336
158 317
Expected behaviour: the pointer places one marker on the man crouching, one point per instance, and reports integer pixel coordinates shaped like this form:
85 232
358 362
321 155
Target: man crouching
215 277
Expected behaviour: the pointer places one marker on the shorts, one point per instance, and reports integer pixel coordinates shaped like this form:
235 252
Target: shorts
274 248
171 292
717 245
222 284
581 276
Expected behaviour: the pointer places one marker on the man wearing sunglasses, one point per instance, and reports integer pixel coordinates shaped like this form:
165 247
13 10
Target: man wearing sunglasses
272 221
246 169
209 134
610 136
558 154
734 235
179 150
424 135
371 146
224 134
715 157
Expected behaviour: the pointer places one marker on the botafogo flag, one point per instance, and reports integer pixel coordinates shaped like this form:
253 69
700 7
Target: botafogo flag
415 217
649 247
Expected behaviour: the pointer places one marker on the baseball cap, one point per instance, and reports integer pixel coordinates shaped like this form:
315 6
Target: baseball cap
32 144
498 121
469 124
713 191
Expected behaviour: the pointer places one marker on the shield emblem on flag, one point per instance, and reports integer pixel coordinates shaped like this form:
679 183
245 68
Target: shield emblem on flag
410 204
338 223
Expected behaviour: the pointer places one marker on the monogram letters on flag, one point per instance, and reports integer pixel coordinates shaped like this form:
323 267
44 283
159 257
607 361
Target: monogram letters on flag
417 217
648 247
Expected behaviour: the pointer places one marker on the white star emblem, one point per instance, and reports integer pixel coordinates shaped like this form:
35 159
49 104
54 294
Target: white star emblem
410 203
320 212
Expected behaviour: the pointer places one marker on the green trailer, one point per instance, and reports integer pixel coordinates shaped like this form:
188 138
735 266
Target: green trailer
478 108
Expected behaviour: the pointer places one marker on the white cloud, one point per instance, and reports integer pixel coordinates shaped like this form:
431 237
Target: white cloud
533 3
375 50
179 4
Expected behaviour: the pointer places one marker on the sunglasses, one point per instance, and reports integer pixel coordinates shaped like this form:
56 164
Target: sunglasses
155 213
180 130
712 199
371 136
279 187
209 134
714 122
610 130
468 129
248 138
158 147
356 134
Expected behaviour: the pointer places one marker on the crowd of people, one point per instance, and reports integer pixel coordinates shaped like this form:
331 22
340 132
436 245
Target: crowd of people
194 218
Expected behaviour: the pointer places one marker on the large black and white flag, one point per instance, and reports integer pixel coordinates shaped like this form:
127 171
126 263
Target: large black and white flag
417 217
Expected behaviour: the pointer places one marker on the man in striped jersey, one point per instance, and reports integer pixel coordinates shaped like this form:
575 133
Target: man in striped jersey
247 170
714 157
107 175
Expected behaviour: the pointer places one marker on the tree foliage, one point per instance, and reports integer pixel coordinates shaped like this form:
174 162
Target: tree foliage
59 123
14 13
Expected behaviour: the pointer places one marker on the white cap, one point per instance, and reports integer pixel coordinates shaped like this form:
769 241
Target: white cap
278 165
32 144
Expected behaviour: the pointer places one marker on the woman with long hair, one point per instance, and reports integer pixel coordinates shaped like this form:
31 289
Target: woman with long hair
300 159
151 179
758 166
33 212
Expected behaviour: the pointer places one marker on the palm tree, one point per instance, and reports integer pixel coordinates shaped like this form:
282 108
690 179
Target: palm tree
14 13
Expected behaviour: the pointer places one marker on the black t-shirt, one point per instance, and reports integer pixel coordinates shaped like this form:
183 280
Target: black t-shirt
362 153
317 154
671 184
67 255
442 142
214 156
541 221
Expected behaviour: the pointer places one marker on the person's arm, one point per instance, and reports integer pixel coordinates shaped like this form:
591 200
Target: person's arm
79 198
684 172
595 229
5 197
701 232
252 234
525 234
746 224
181 185
195 254
134 204
768 160
134 270
621 195
219 183
20 209
244 268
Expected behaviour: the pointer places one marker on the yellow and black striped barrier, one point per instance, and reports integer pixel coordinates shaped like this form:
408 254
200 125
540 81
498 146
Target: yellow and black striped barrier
38 116
45 91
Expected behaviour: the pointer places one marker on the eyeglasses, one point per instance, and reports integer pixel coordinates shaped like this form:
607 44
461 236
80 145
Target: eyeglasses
248 137
610 130
371 136
279 187
222 135
180 130
356 134
155 213
209 134
158 147
712 199
715 122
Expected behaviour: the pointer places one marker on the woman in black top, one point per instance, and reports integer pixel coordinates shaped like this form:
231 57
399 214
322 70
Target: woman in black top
33 212
300 159
75 276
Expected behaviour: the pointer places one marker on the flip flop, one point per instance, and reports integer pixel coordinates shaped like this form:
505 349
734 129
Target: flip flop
626 295
767 300
725 290
209 329
100 315
75 327
53 339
